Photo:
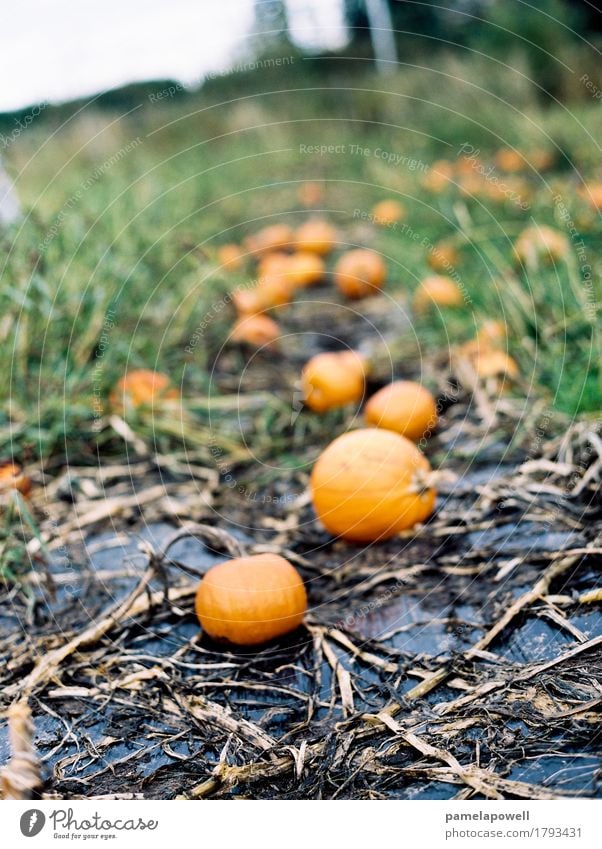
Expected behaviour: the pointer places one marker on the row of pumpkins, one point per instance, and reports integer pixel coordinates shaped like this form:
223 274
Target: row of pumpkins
368 484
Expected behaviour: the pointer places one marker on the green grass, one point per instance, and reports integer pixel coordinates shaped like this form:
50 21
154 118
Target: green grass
124 213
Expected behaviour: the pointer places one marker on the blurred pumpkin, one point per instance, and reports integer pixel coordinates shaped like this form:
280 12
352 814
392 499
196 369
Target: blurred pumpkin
270 238
268 293
305 269
437 290
509 160
231 256
273 264
316 236
360 273
333 379
388 212
369 485
250 600
405 407
258 331
492 333
541 242
443 257
311 193
142 387
592 193
494 363
12 477
439 176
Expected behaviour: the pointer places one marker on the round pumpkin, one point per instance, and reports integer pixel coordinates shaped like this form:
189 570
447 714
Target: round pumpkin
509 160
367 485
405 407
13 477
360 273
311 193
332 380
541 242
230 256
142 387
443 257
305 269
492 333
250 600
316 236
388 212
439 176
258 331
437 290
271 238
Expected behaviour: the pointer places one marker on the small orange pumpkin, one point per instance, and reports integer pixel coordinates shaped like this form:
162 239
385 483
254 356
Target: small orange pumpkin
316 236
369 485
405 407
443 257
439 176
271 238
270 292
230 256
311 193
509 160
142 387
250 600
437 290
494 363
360 273
492 333
12 477
305 269
541 242
258 331
273 264
592 193
388 212
332 380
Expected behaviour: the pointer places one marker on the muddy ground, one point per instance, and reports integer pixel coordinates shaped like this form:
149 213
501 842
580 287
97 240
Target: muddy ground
460 660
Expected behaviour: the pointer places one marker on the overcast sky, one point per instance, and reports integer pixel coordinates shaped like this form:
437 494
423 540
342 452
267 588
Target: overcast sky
55 50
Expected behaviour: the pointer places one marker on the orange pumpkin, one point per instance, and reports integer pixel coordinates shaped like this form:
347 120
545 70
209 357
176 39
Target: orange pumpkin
311 194
493 363
230 256
273 264
305 269
369 485
443 257
360 273
509 160
142 387
12 477
541 242
405 407
437 290
388 212
271 238
439 176
592 193
492 333
333 380
316 236
270 292
250 600
258 331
